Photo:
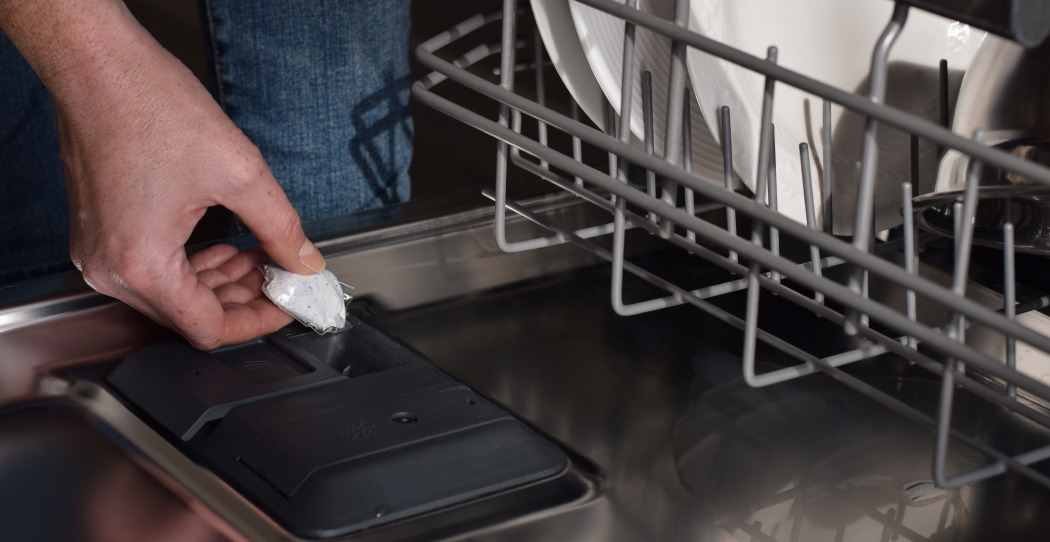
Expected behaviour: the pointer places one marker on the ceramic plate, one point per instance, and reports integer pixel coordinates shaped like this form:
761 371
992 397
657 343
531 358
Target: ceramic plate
831 41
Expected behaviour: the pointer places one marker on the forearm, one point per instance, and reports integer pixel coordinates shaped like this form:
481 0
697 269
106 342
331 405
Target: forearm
89 53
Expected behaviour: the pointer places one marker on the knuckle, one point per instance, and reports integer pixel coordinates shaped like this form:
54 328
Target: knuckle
95 277
287 226
248 171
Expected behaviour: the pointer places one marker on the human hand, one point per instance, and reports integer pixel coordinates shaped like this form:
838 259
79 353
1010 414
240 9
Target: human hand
146 150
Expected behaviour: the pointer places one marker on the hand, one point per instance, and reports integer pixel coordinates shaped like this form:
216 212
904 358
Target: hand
146 150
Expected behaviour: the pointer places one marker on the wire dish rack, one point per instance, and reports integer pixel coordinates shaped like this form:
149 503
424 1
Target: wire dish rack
756 260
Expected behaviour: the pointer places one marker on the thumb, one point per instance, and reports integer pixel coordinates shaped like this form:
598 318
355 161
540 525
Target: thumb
265 209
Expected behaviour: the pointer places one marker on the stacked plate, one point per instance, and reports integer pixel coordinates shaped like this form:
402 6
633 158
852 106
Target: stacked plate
827 40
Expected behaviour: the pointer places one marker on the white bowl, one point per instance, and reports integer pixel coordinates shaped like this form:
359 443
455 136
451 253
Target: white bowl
831 41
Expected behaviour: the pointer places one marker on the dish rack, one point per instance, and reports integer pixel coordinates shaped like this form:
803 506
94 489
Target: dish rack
756 260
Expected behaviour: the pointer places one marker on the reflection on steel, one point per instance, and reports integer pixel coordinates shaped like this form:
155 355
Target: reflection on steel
556 354
899 332
687 448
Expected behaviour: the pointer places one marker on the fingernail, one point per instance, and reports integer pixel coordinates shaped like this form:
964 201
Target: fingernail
311 257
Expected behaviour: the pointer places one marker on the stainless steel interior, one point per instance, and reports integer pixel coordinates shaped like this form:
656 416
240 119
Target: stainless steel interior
686 450
814 284
517 305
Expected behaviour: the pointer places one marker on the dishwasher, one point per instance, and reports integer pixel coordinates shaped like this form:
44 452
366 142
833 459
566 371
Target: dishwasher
622 358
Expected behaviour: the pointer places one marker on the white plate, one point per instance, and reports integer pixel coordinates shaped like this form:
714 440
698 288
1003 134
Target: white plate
601 36
559 38
831 41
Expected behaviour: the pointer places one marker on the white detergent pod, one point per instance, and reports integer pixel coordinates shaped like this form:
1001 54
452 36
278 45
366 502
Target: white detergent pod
315 300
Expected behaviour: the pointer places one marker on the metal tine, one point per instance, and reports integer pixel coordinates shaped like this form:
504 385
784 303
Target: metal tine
1009 287
687 157
829 224
964 238
720 236
551 240
675 89
508 49
864 292
577 146
811 215
870 154
727 169
765 141
774 233
886 342
650 143
610 128
909 252
1018 464
507 82
541 91
942 99
626 105
958 328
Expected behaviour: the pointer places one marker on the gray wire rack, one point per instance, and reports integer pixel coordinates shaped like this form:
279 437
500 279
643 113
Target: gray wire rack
758 264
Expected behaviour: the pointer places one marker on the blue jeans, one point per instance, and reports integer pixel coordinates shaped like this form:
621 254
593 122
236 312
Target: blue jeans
321 87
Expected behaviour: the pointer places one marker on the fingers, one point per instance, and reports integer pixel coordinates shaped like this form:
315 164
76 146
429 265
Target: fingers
212 257
233 269
265 209
219 305
250 320
243 291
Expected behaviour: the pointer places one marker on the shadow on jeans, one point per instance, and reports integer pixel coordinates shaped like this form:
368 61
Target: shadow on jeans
377 121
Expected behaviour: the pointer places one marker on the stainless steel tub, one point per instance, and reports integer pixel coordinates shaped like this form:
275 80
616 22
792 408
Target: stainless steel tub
684 449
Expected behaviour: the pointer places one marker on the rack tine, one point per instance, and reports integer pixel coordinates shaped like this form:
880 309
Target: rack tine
862 229
765 145
727 169
829 224
1009 287
774 233
619 223
942 99
577 147
650 144
507 82
541 91
687 157
963 214
909 251
610 128
811 215
675 89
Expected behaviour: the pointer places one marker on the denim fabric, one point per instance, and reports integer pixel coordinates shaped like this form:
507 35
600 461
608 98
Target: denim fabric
321 86
34 214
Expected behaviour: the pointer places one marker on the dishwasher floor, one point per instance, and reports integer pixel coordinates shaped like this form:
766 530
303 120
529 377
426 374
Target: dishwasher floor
687 449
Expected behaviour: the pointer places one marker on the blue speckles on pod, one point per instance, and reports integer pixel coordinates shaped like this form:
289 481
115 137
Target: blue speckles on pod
315 300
